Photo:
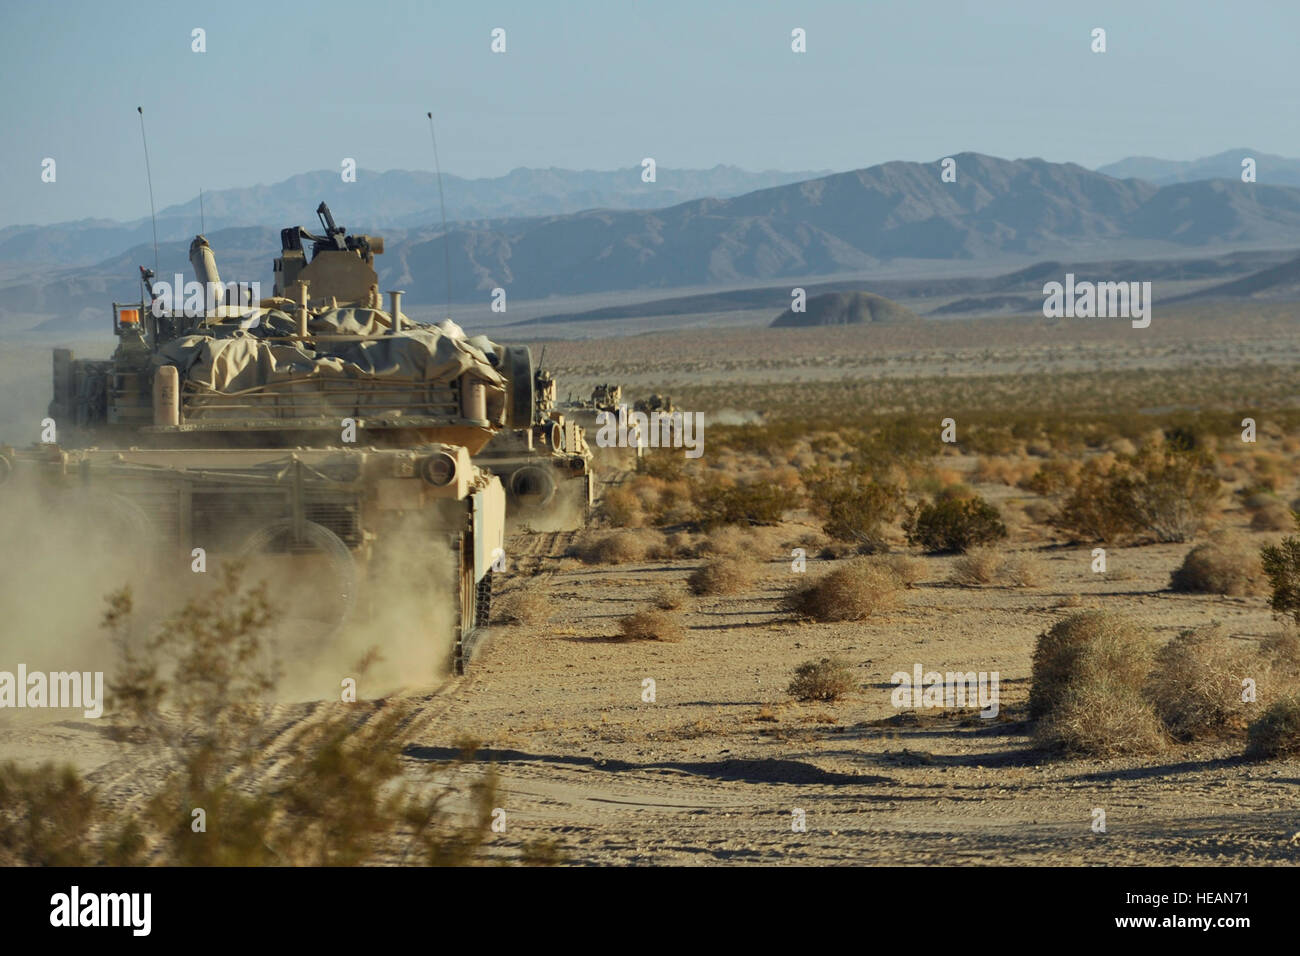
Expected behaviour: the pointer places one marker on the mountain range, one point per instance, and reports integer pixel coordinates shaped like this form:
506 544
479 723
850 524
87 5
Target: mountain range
1274 170
837 224
375 202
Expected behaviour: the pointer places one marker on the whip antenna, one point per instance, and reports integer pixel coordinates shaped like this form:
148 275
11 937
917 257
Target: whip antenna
202 225
442 206
149 174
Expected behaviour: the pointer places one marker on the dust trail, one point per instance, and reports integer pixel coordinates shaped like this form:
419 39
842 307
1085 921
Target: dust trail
403 609
57 565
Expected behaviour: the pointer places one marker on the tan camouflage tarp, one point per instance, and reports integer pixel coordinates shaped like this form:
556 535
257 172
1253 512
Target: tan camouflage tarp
237 357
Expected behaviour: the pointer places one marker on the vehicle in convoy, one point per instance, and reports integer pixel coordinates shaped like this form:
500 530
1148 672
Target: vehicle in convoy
321 438
546 468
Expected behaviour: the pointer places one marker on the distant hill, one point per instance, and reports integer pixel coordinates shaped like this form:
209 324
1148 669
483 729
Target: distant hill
1269 169
1276 284
840 225
845 308
392 200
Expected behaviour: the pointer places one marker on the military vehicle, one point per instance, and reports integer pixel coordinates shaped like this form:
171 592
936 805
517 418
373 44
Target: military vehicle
605 406
547 468
312 433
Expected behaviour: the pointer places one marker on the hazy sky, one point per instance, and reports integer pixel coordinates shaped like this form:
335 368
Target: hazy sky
287 87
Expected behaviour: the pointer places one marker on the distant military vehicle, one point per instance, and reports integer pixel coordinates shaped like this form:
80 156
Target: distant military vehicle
310 431
605 406
546 468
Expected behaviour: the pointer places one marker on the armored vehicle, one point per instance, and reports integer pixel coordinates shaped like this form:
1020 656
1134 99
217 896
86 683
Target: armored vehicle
606 407
546 468
321 438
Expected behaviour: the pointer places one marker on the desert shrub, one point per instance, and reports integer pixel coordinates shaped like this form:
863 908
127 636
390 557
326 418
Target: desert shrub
827 679
953 525
852 505
975 567
1089 671
723 575
667 464
681 544
725 540
197 691
622 508
1080 644
668 599
848 593
1095 509
1162 492
1271 516
530 606
610 548
985 566
1276 732
1171 493
1223 565
652 624
47 817
956 491
1001 470
1052 477
1281 652
747 503
906 568
1197 681
1281 563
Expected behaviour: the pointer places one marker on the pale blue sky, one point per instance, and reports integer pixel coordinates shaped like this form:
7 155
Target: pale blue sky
287 87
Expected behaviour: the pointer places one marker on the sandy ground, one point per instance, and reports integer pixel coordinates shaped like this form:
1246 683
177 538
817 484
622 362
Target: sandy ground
713 769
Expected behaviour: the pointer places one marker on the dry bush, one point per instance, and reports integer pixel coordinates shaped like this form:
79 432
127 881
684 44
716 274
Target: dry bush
669 599
1271 516
748 503
1276 732
723 575
1281 652
529 606
1089 671
724 541
985 566
955 524
1163 492
853 505
682 544
1002 471
47 818
1197 683
1102 719
1039 511
613 547
652 624
827 679
907 569
1052 477
622 508
1222 565
849 593
975 567
196 691
957 491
